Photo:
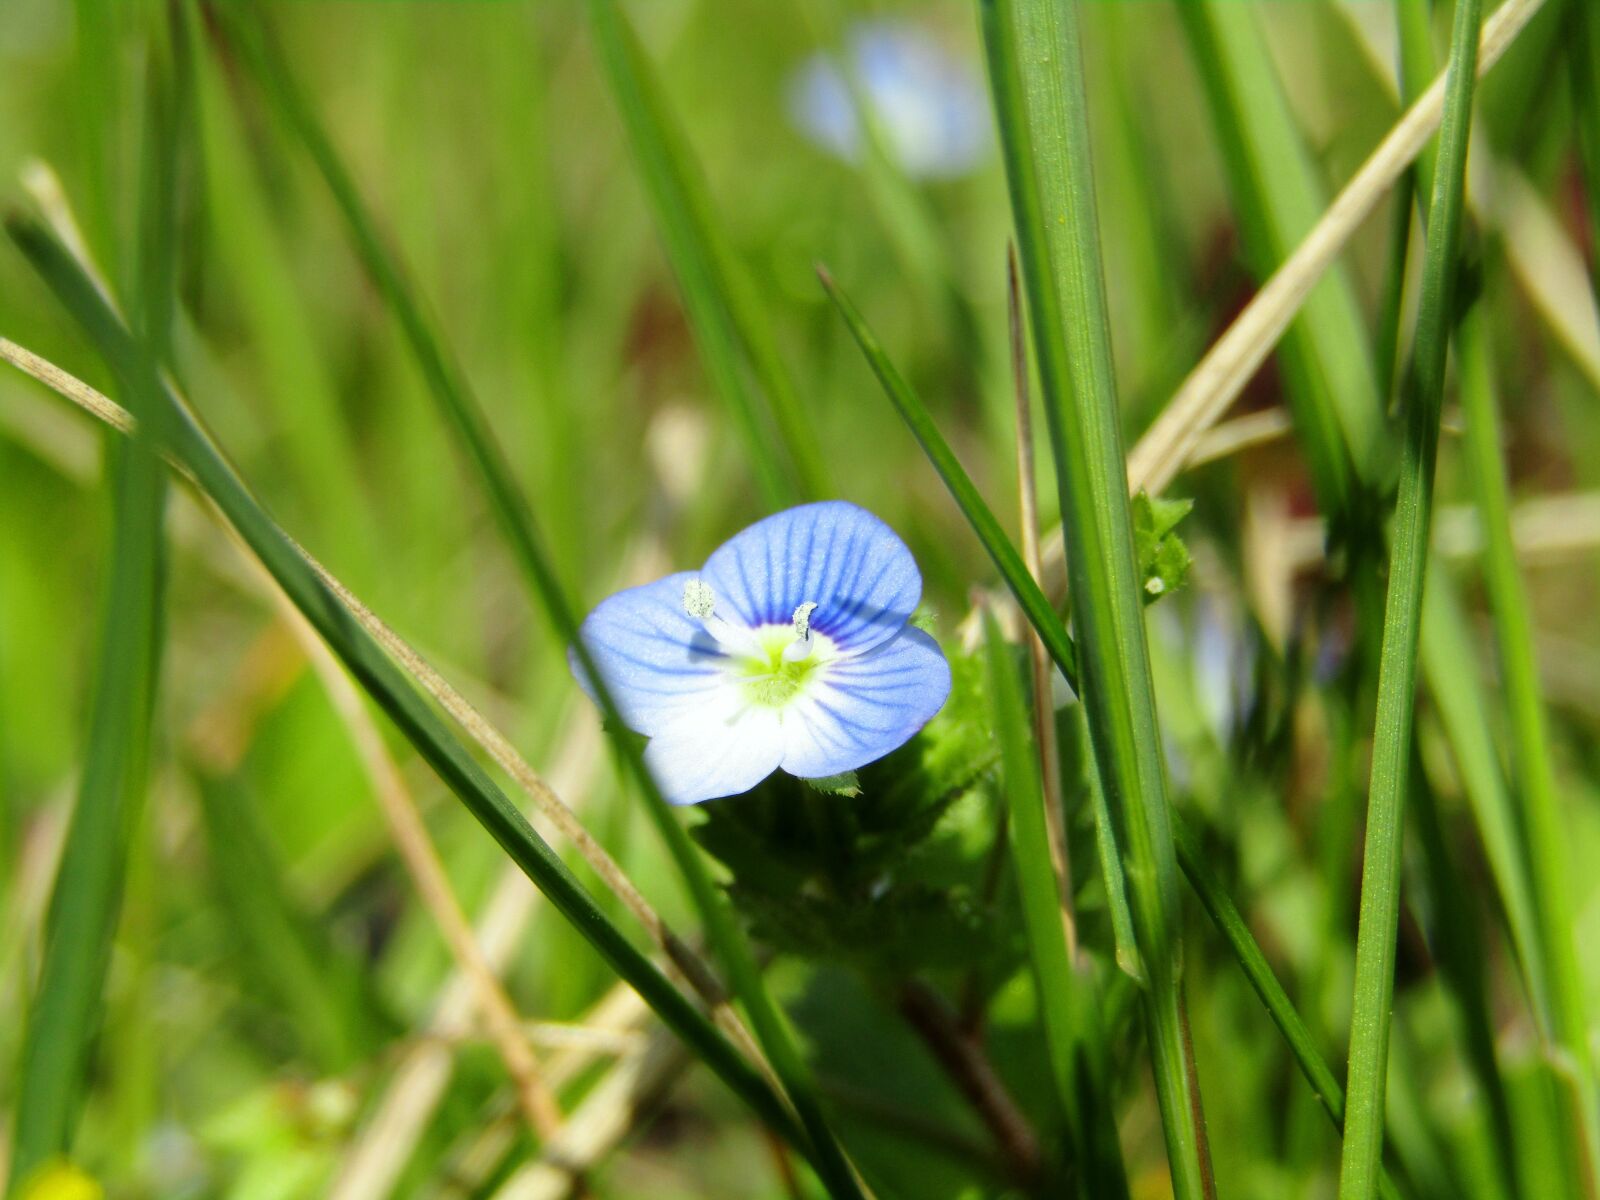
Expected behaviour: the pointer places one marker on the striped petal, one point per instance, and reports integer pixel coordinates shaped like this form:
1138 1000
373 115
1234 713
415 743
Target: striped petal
656 660
865 706
852 566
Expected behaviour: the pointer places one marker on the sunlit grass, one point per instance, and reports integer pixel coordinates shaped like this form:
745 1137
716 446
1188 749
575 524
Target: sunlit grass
484 312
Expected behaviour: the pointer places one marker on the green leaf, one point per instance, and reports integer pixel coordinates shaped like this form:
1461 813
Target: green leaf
848 784
1163 558
886 876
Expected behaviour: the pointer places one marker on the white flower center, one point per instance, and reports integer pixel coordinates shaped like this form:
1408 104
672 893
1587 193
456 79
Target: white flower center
772 663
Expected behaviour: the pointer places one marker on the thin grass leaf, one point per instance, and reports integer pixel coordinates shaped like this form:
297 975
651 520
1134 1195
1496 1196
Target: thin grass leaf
1030 598
1278 199
1455 935
1067 996
1380 887
1036 74
1544 826
389 688
1391 301
721 301
102 76
1449 653
64 1015
1231 925
450 389
1416 69
1078 763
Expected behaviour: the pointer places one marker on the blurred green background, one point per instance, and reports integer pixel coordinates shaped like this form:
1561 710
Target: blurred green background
273 969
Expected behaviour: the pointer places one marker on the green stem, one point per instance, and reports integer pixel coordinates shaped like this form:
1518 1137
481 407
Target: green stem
1380 886
1036 75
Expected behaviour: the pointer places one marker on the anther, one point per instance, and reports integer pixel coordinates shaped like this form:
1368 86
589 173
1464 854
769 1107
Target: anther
800 649
699 601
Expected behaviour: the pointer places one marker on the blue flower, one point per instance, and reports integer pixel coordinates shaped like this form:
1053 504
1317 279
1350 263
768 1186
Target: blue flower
789 649
929 104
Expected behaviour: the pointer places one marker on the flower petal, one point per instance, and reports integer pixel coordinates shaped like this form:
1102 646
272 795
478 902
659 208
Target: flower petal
856 570
725 748
866 706
657 661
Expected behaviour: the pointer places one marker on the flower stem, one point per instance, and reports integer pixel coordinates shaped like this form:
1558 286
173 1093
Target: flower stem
972 1073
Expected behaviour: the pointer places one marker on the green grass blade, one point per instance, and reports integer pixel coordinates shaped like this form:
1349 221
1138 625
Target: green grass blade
1036 75
1277 197
1391 301
84 905
1231 925
86 900
1544 824
1067 997
720 300
1414 24
1030 598
1535 899
387 685
1111 872
1449 663
1380 888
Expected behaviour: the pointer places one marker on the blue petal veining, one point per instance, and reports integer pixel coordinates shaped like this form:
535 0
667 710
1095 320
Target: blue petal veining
875 682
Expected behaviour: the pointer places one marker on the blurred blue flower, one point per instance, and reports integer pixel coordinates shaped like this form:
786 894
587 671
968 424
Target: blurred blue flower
790 649
929 105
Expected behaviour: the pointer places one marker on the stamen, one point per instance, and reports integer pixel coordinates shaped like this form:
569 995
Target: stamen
800 649
802 619
699 601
